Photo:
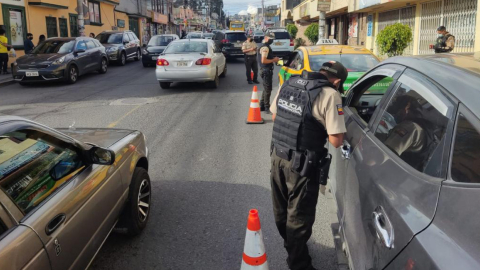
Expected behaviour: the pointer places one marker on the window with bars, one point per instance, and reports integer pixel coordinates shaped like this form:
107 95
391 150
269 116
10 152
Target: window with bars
62 23
94 12
52 30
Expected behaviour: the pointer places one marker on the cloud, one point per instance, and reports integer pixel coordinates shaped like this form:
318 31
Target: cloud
252 10
243 12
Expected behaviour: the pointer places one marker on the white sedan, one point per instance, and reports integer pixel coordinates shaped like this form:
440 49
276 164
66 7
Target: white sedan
195 60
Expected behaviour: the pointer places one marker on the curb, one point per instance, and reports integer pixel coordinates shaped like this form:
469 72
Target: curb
9 82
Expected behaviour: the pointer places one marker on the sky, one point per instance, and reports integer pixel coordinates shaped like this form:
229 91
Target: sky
235 6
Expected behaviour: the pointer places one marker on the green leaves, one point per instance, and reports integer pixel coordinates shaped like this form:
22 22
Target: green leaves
299 42
312 33
292 30
394 39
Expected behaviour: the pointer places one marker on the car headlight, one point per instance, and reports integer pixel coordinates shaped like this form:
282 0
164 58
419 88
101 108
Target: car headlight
59 61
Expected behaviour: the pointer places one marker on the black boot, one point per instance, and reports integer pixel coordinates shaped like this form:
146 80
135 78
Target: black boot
267 110
262 107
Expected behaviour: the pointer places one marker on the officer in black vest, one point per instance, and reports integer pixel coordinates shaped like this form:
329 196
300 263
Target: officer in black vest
445 41
266 60
306 112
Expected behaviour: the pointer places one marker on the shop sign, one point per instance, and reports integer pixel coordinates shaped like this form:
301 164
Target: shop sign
323 5
369 25
367 3
159 18
121 23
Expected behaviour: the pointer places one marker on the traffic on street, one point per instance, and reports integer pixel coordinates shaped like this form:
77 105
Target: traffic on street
238 145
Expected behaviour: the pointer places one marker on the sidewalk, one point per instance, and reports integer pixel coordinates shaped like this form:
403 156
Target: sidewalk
6 79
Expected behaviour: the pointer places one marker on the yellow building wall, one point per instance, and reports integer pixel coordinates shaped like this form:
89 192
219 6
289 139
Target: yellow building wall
107 17
122 16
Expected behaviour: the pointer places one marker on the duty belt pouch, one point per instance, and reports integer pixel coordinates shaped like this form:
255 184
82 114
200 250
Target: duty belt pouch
283 153
308 163
323 169
297 161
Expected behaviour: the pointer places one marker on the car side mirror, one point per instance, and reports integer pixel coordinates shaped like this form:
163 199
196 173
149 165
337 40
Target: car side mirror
80 51
101 156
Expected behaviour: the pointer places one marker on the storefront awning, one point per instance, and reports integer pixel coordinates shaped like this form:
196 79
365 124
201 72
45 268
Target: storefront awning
159 18
47 5
133 15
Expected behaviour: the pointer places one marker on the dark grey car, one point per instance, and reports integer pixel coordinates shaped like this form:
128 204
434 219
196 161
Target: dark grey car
63 191
61 59
120 46
407 178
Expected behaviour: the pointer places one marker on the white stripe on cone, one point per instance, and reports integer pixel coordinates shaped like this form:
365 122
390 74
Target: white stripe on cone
254 95
254 248
254 105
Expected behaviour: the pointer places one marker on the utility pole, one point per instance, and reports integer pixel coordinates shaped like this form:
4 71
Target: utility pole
321 26
81 20
263 14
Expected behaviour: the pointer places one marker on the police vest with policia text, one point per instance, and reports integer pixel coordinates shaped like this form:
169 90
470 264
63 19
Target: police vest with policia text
442 43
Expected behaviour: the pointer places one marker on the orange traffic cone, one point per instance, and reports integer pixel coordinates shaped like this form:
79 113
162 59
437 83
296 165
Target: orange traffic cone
254 256
254 115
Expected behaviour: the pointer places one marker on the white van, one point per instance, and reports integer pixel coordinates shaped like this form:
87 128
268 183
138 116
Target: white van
283 43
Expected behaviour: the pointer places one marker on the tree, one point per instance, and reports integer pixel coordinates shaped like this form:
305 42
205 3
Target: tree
394 39
312 33
292 30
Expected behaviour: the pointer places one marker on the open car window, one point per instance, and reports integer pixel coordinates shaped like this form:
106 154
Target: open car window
33 165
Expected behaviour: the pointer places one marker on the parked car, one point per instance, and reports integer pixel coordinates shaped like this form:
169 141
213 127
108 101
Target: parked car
230 43
283 43
208 35
194 35
121 46
357 60
407 179
155 47
258 36
63 191
58 59
193 60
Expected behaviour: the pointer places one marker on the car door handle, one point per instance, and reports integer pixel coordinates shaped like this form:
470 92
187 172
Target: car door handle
383 228
346 150
55 223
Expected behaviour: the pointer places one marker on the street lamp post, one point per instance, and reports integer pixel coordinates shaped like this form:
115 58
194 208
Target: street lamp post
81 20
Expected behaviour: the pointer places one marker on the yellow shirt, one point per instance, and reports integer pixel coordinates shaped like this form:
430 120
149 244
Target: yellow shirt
4 40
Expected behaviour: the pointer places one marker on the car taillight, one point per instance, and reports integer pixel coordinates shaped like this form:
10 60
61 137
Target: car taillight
224 40
162 62
203 61
291 42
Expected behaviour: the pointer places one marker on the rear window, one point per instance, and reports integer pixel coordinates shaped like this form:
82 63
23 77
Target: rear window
186 47
353 62
282 35
160 40
232 37
196 35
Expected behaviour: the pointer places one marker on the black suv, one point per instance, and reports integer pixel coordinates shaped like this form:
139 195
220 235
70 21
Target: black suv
230 42
120 45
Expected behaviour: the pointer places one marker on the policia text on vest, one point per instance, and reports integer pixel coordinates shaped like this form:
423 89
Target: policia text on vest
306 114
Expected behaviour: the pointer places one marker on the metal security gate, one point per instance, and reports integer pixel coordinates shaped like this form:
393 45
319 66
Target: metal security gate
404 16
458 16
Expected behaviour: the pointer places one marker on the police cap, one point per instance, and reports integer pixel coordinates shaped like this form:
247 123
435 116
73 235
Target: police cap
336 69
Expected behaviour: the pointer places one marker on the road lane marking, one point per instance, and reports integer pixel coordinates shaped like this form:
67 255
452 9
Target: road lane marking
113 124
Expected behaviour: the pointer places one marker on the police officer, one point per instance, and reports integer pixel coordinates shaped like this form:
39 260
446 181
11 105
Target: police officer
266 60
249 47
307 111
445 41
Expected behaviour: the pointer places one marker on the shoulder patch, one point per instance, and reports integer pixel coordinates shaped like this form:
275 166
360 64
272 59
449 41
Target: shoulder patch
401 131
340 109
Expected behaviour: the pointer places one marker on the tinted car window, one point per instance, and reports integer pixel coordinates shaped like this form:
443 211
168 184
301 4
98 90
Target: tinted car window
187 47
81 46
353 62
414 124
110 38
33 165
132 36
160 40
466 152
55 46
281 35
233 37
126 37
90 44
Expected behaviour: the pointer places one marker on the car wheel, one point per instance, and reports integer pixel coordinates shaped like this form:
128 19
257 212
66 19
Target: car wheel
137 210
104 66
145 65
123 59
215 83
72 75
165 85
224 73
138 56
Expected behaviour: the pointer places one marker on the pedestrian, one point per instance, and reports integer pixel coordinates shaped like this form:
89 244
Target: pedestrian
92 35
266 60
445 41
4 47
28 44
307 111
41 39
249 47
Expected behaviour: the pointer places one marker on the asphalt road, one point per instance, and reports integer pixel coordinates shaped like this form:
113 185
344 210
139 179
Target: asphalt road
207 166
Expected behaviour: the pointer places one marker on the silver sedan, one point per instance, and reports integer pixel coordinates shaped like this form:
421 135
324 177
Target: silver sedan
195 60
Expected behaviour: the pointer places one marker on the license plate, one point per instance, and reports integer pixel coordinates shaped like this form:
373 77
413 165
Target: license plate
154 58
31 74
278 43
237 45
182 64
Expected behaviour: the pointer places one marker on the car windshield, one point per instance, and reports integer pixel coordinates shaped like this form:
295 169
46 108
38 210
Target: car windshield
281 35
160 40
186 47
232 37
353 62
55 46
236 25
194 35
208 35
105 38
260 33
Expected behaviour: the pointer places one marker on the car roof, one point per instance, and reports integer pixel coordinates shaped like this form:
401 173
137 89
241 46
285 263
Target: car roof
66 38
334 49
459 74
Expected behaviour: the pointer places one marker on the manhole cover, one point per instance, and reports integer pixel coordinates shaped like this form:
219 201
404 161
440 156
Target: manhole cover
133 101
